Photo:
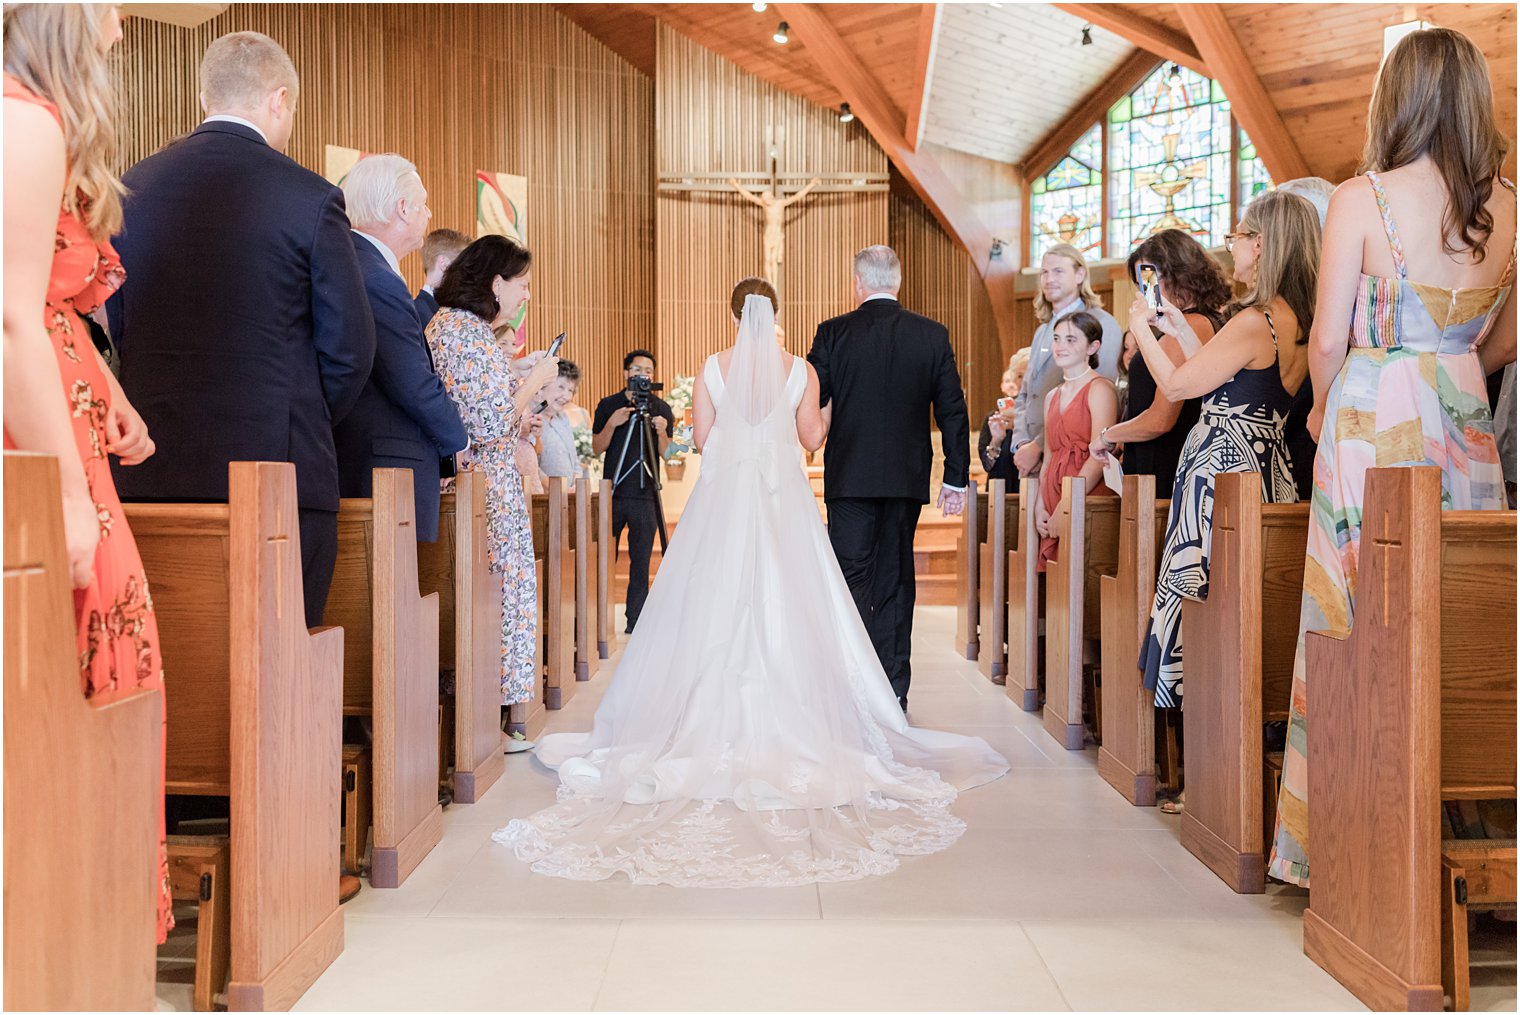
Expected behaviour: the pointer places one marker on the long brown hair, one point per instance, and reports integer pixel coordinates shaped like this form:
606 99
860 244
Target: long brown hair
54 50
1433 97
1192 276
1043 311
1289 264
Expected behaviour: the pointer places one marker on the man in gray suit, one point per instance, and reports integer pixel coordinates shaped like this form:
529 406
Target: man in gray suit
1064 290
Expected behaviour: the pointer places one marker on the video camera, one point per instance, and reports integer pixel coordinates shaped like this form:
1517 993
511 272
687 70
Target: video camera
639 390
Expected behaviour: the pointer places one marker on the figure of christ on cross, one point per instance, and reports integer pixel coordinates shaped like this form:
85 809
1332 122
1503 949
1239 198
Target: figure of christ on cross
774 206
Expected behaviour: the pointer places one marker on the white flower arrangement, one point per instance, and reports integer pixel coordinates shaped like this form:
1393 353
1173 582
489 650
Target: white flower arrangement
679 399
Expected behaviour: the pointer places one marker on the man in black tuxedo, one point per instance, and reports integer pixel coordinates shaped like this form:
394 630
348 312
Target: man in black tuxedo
404 419
884 368
439 248
245 333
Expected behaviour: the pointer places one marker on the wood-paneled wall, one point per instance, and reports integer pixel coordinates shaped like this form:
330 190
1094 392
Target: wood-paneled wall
511 88
711 117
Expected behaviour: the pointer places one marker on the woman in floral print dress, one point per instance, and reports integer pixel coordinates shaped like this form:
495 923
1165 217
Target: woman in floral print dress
484 288
62 203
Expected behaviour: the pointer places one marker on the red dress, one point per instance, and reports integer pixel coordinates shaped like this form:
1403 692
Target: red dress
117 632
1068 432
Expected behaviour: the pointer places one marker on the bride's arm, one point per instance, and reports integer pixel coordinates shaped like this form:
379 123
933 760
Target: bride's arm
702 413
812 427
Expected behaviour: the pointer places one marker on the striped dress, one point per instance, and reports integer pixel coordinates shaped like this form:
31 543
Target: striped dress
1411 393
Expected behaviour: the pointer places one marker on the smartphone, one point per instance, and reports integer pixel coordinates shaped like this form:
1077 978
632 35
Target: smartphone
1148 278
554 345
1004 404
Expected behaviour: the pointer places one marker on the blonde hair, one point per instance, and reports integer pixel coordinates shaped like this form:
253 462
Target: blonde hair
1018 366
1432 97
241 69
54 50
1043 311
1289 264
375 186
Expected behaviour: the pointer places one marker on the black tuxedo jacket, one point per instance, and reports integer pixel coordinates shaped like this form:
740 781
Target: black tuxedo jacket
426 306
244 329
404 419
884 368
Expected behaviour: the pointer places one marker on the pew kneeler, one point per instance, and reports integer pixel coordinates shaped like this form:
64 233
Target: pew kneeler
199 869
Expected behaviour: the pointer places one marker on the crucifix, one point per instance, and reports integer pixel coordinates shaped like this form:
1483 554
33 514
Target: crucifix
774 191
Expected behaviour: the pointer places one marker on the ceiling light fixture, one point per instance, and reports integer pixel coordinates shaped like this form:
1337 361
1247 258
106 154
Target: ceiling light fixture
1087 35
780 35
759 8
845 116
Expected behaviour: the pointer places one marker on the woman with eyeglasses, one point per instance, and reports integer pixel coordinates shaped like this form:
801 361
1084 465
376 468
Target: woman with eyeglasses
1246 376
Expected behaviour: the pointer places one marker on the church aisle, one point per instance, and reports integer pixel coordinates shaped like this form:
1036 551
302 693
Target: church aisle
1059 896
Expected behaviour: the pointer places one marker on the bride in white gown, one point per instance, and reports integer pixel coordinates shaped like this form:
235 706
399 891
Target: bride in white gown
749 736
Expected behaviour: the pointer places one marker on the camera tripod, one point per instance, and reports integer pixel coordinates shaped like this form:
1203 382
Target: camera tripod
643 466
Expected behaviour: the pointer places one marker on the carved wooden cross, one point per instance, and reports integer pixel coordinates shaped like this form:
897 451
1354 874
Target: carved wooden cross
774 191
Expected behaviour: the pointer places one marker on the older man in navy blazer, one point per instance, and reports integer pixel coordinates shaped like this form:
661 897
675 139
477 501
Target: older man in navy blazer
245 333
404 419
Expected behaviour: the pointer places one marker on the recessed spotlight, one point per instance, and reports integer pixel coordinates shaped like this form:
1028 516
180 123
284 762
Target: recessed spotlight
780 35
845 116
759 8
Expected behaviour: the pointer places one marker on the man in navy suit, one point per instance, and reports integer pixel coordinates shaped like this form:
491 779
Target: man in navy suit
404 419
439 248
245 333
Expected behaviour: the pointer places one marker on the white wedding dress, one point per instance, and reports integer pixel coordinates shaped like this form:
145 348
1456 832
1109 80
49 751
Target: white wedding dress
749 736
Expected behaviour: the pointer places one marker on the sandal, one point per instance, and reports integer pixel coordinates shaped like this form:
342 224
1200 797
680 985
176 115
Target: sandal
1173 806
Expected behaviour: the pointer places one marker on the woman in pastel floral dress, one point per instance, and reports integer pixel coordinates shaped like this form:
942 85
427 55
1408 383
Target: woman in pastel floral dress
1399 365
485 287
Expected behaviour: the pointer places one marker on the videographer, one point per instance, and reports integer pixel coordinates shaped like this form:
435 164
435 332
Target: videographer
630 461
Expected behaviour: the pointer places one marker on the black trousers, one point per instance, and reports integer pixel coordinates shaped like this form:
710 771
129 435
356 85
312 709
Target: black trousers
873 541
638 515
319 554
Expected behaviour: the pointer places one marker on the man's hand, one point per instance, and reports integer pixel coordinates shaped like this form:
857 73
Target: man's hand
951 502
1027 457
620 417
661 427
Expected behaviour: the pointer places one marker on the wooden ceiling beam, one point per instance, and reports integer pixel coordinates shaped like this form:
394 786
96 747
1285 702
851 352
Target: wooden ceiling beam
924 174
1152 36
1249 101
923 66
1128 75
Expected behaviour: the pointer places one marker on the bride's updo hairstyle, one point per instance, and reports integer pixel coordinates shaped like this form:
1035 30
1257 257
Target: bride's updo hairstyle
752 286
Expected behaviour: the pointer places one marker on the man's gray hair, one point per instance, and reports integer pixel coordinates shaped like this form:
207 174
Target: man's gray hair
1314 189
878 269
241 69
375 186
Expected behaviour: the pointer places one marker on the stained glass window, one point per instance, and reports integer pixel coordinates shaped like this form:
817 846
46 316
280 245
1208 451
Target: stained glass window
1066 204
1253 175
1170 146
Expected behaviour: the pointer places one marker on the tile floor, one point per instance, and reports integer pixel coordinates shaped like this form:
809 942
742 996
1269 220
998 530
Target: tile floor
1060 896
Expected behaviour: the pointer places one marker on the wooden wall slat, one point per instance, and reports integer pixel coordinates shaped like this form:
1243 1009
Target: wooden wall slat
454 87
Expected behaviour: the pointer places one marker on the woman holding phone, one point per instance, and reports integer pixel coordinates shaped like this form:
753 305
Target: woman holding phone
1154 428
1246 377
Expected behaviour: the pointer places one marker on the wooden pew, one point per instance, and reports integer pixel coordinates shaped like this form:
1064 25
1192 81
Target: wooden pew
551 544
255 714
529 717
604 550
81 852
390 669
586 504
1415 707
1001 511
1237 657
1127 756
458 569
1024 604
1088 530
968 565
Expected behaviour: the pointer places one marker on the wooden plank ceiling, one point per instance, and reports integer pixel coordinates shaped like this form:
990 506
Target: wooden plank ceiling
1003 77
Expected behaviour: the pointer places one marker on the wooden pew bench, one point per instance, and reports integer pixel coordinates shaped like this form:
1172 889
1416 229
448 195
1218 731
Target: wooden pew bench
604 551
254 714
556 592
1025 603
1088 530
81 851
1237 659
1002 525
1415 707
968 567
585 544
390 671
1127 755
458 569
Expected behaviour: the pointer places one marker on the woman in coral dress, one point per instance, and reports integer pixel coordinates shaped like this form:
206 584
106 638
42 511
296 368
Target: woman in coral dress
62 382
